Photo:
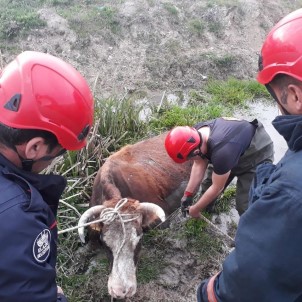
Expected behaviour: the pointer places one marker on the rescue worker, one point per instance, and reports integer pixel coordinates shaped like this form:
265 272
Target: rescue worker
46 109
221 149
266 264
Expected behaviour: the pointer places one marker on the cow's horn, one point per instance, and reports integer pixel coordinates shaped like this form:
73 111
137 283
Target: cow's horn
157 210
91 212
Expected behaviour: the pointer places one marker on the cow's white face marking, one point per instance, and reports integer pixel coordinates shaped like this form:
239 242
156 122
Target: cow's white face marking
122 279
41 246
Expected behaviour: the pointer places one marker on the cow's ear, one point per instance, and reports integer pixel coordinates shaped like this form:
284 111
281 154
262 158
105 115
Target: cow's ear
152 214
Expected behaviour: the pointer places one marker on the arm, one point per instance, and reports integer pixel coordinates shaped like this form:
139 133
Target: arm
60 295
197 174
266 263
218 184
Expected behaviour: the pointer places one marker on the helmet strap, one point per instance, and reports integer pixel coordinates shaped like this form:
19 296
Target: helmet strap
203 156
27 164
272 93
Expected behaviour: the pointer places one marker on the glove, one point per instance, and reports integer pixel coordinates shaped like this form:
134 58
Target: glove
185 202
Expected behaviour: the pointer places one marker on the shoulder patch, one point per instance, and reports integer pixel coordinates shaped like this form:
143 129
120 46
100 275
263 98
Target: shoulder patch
41 247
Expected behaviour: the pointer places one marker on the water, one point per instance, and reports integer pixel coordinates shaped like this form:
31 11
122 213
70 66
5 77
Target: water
265 112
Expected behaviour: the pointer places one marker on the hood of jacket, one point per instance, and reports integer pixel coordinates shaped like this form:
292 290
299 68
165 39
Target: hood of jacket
290 127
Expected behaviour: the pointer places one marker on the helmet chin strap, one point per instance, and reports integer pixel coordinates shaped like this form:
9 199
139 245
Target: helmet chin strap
27 164
203 156
272 93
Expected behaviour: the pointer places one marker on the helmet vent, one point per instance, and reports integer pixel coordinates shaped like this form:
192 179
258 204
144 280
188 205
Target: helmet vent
179 156
14 103
191 140
84 133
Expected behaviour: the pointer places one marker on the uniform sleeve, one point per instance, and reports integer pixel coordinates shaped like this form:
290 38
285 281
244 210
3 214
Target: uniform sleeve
266 264
28 257
61 298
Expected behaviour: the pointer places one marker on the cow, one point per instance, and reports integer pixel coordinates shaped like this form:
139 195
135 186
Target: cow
136 188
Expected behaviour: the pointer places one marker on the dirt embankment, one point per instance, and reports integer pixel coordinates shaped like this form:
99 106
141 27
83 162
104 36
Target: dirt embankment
154 45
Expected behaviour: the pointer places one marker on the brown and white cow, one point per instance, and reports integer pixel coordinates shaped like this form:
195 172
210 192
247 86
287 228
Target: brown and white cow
134 189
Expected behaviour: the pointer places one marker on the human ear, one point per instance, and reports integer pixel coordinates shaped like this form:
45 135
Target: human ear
295 98
35 148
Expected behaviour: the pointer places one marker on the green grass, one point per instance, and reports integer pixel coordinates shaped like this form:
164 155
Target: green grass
234 92
224 202
196 26
17 18
170 8
94 19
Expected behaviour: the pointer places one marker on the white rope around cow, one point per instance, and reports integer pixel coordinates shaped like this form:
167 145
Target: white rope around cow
107 216
177 213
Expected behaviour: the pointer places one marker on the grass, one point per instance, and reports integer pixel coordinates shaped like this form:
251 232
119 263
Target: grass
235 92
17 18
224 202
196 26
170 8
87 19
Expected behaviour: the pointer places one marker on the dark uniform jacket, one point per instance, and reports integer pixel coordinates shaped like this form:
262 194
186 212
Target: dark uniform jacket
28 207
266 264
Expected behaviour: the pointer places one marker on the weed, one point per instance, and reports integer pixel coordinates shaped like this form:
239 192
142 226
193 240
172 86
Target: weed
96 19
170 8
216 28
199 240
232 92
18 19
226 62
224 202
120 121
196 26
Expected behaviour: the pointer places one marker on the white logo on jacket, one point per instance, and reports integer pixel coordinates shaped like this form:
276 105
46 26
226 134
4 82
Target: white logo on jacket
41 247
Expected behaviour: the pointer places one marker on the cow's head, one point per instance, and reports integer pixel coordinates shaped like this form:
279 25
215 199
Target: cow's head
121 230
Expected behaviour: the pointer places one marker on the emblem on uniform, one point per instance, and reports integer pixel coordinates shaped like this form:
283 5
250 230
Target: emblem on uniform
41 247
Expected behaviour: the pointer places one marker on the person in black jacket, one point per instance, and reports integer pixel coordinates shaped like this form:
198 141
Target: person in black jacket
266 264
221 149
46 109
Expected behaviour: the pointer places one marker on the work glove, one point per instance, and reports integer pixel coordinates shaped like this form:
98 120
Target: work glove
185 202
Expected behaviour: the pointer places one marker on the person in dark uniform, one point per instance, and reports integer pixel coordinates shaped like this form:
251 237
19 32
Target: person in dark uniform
222 149
266 263
46 109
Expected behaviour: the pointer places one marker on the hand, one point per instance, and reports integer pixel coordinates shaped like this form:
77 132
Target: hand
185 202
59 290
194 212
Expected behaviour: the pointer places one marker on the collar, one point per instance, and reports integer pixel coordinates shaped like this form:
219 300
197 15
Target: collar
50 186
290 127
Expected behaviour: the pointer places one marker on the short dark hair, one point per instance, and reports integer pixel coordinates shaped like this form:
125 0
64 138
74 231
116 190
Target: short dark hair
11 137
282 81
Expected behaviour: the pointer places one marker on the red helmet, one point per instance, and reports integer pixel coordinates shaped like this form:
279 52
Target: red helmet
40 91
281 52
180 142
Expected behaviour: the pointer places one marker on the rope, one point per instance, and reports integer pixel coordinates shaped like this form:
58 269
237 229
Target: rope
177 212
217 229
107 216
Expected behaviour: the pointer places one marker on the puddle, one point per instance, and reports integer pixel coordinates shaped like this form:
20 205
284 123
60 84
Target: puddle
265 112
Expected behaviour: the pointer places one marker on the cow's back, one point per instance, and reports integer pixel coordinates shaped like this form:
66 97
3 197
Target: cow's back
145 172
